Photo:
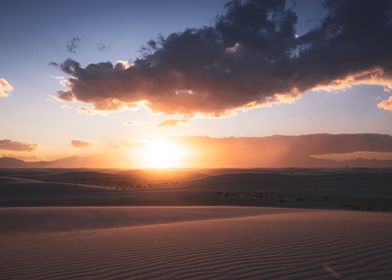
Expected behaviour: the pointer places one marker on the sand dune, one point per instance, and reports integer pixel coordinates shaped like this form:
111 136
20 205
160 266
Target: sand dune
186 240
360 189
57 219
196 243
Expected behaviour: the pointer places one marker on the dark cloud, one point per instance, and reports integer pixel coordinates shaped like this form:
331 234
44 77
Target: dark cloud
10 145
102 47
73 44
173 123
5 88
250 57
80 144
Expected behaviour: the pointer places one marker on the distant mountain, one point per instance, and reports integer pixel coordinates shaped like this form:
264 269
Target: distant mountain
249 152
7 162
74 162
80 162
69 162
361 162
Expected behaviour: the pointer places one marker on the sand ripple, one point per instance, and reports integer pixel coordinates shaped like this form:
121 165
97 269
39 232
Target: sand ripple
310 244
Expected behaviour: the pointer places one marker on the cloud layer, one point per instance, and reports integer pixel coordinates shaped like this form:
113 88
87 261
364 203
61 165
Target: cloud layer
5 88
10 145
250 57
173 123
80 144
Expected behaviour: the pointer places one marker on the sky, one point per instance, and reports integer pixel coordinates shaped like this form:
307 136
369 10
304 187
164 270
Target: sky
37 38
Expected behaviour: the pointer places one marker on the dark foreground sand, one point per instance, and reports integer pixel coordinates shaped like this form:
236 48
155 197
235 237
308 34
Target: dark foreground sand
193 243
350 189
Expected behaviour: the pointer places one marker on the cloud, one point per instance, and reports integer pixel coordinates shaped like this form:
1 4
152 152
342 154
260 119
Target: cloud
133 144
103 48
124 64
134 123
80 144
10 145
386 104
173 123
73 44
251 57
65 106
5 88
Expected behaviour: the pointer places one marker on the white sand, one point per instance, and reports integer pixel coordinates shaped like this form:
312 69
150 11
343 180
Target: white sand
194 242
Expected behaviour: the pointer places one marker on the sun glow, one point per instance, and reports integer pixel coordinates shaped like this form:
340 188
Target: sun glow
162 153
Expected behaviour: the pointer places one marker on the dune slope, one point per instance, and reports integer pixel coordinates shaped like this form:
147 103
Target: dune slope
285 244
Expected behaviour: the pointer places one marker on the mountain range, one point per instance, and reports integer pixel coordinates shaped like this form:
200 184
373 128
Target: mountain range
252 152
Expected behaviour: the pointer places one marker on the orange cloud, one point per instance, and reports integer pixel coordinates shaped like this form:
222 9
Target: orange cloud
375 76
11 145
386 104
80 144
5 88
173 123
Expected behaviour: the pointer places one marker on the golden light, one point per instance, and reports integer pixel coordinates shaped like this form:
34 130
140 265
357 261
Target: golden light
162 153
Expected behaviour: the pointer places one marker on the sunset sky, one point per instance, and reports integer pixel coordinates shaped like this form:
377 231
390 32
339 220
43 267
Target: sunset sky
236 77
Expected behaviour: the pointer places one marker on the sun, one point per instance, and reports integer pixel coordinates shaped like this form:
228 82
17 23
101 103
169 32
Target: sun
162 153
